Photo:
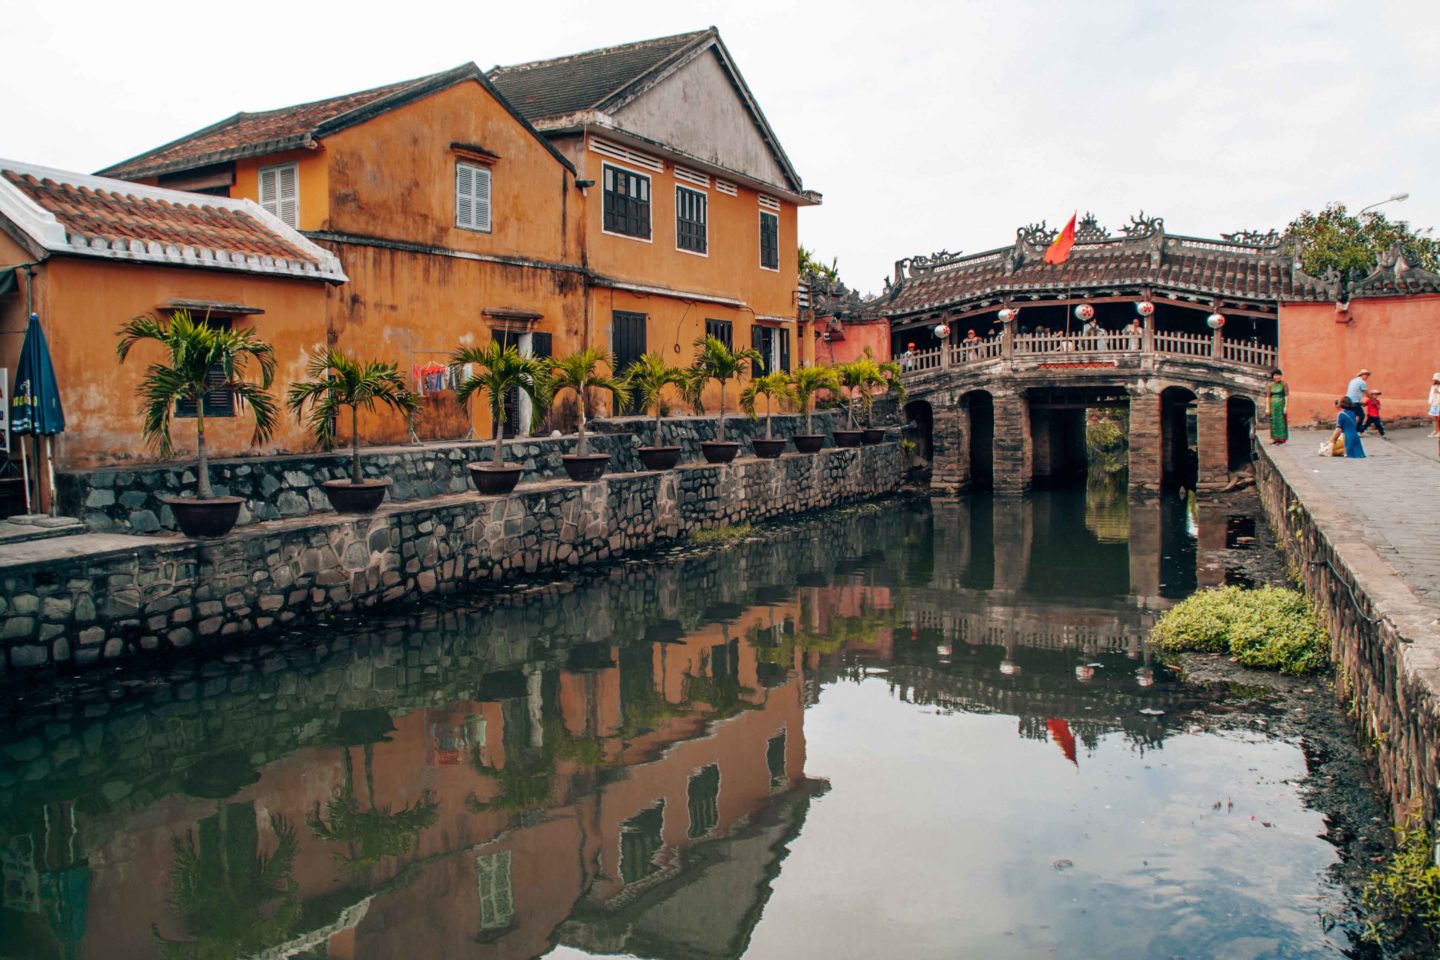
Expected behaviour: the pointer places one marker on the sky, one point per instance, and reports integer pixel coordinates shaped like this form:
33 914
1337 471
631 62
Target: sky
926 125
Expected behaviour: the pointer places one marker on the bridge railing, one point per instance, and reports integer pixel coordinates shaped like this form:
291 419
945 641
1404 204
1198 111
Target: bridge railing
1248 352
1200 346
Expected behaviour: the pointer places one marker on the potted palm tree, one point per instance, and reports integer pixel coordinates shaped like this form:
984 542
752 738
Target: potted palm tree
856 378
772 386
647 379
202 361
715 361
885 374
338 380
500 370
804 383
580 372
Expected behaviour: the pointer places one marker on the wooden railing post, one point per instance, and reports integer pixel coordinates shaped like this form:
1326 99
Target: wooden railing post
1217 348
1007 340
1147 344
945 353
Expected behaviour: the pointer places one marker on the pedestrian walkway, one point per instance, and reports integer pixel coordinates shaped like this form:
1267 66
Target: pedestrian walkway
1390 494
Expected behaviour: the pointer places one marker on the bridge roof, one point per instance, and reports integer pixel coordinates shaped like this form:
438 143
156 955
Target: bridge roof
1240 266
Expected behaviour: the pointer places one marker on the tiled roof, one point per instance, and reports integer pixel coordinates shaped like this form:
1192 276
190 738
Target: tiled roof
547 89
1396 275
289 128
77 214
1241 268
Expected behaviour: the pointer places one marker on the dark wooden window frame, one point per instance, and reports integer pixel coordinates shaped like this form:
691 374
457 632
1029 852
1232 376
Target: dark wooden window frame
692 234
626 202
218 403
769 241
722 330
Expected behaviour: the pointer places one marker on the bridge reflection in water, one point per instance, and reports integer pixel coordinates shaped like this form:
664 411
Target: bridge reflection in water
618 766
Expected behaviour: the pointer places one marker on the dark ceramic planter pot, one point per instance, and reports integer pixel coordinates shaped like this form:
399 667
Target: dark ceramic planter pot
362 497
768 449
212 517
659 458
585 467
848 438
494 481
809 442
717 451
872 436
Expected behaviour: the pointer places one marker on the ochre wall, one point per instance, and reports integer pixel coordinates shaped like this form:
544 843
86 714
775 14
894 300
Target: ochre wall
83 301
858 335
1397 339
313 176
731 268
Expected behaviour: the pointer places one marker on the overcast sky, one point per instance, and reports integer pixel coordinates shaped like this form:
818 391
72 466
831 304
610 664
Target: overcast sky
926 125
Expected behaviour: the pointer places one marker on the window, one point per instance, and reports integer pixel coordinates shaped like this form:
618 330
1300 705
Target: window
280 192
641 843
703 798
690 230
722 330
769 241
627 340
627 203
472 197
775 760
782 337
763 340
497 897
218 403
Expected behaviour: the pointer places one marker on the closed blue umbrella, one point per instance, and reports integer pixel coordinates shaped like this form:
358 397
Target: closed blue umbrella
35 405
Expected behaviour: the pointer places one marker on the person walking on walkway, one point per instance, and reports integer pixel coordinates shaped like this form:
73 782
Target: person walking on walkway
1372 412
1279 393
1432 405
1355 393
1347 426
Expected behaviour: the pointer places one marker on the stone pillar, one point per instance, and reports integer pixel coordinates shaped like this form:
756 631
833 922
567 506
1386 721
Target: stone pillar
1014 453
1212 439
1210 545
1145 437
950 447
1144 546
1014 536
1042 443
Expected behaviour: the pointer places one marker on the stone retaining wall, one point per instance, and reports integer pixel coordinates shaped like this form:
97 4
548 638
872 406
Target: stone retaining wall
169 594
1383 640
127 500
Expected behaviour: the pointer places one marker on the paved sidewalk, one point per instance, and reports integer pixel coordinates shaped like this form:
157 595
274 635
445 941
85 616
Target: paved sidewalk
1394 495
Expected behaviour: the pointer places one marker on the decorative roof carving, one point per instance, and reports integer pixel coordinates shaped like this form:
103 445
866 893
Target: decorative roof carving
1253 238
1248 266
1397 273
1088 230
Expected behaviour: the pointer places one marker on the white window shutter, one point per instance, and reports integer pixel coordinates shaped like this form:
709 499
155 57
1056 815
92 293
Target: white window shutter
464 196
289 195
482 199
268 199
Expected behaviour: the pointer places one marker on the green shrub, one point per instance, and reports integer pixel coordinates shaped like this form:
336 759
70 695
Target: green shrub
718 535
1407 888
1272 628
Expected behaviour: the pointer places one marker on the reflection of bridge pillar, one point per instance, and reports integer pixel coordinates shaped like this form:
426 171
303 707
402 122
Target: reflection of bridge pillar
950 441
1144 547
1014 532
1014 452
1145 434
1212 438
1209 559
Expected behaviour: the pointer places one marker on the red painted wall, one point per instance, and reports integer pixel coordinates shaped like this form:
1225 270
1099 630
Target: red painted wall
1397 338
859 334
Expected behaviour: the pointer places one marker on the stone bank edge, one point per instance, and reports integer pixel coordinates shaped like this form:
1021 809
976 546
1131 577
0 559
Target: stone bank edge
173 594
1384 641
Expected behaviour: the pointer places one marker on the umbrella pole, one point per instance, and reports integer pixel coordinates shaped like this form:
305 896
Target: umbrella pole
50 463
25 472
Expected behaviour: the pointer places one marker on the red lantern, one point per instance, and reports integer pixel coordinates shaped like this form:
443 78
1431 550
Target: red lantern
1084 312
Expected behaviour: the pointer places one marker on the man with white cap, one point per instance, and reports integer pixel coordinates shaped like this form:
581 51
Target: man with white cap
1356 393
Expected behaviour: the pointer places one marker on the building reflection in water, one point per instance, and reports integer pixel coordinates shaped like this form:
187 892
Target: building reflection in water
619 766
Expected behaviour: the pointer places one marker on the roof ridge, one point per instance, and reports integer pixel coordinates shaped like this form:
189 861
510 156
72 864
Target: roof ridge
688 36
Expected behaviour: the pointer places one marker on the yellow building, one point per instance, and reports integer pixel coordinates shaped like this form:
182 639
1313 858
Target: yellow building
689 219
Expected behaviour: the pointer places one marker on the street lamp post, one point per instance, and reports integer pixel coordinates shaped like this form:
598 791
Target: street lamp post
1393 198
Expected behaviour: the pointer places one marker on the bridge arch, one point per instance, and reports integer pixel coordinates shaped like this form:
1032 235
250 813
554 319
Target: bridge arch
920 413
979 406
1240 428
1179 431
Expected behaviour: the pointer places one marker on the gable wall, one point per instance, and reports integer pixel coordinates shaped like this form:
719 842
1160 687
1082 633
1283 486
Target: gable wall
698 111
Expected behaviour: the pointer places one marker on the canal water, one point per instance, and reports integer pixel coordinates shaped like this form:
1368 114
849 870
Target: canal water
919 729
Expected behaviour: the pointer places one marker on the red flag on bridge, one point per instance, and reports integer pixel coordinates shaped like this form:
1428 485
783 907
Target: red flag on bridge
1059 250
1060 731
